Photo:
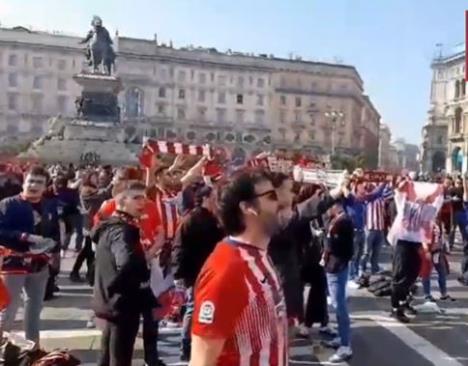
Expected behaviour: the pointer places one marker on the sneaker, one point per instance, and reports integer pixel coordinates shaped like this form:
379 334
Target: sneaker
343 354
328 331
353 285
400 315
75 277
90 324
429 298
447 298
335 343
410 309
303 331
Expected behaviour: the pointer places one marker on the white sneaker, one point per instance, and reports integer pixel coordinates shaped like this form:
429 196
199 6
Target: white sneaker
334 343
353 285
342 354
303 331
329 331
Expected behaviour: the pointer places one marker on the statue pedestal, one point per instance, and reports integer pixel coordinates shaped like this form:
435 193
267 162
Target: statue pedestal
96 136
101 83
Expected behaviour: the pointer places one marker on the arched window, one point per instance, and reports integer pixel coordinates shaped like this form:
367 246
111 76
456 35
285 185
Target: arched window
438 161
458 120
457 89
462 87
457 159
134 102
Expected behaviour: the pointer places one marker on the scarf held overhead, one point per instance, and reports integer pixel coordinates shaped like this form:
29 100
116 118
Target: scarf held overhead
418 204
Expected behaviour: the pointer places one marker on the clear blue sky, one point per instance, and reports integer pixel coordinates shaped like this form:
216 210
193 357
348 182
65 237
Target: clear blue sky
391 42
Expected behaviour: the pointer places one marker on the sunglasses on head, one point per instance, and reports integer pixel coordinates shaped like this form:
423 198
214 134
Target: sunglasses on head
270 195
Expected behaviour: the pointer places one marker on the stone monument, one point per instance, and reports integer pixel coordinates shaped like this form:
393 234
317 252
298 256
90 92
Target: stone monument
95 135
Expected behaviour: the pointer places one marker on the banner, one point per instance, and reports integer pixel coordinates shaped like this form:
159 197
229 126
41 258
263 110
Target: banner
332 178
418 204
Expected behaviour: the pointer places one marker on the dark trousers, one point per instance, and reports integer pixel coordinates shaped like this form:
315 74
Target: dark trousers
187 324
464 264
316 310
87 254
73 223
118 340
150 338
406 267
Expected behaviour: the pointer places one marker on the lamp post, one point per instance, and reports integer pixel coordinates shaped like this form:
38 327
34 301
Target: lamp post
333 116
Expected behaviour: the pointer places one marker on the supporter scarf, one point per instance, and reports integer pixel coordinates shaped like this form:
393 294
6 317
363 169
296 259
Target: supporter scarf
418 204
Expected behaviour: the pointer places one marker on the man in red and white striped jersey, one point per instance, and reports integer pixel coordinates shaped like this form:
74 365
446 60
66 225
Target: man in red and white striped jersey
375 228
240 312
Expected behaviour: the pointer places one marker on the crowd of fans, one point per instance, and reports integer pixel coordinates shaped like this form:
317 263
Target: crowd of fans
240 248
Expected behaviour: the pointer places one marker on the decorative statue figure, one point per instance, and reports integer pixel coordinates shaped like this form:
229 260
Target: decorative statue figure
55 130
99 47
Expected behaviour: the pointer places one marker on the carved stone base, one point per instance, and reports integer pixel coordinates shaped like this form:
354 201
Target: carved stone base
86 130
81 152
83 142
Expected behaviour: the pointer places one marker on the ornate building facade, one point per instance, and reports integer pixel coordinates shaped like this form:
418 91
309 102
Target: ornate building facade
385 137
246 102
445 135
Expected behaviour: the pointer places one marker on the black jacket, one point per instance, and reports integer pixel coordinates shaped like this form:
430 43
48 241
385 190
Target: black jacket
339 244
195 239
91 204
122 275
287 248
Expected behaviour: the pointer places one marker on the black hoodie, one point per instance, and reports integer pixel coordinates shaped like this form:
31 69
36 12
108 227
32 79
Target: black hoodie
122 274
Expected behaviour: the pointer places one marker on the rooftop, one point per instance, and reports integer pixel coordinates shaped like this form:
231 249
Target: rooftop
448 54
152 48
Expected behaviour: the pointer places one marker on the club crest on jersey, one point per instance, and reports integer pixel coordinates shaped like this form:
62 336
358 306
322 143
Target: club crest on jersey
206 314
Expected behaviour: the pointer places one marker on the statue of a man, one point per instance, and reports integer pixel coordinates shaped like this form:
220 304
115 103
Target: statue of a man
99 46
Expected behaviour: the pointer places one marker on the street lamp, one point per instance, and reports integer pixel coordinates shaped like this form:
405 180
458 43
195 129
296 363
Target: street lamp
333 116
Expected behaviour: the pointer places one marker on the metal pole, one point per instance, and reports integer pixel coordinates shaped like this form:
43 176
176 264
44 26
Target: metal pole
333 137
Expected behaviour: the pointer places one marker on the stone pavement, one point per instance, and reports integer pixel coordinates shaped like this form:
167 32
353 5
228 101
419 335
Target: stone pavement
377 340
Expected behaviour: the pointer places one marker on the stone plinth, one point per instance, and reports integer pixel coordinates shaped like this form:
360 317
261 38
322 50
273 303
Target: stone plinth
81 152
99 83
95 136
86 130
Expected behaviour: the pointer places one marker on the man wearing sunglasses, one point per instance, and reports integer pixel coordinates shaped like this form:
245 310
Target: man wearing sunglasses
240 313
28 218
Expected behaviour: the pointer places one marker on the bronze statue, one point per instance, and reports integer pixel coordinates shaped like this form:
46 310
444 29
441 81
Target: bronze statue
99 47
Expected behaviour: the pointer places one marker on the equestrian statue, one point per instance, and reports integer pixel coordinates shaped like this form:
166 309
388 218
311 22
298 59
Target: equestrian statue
99 47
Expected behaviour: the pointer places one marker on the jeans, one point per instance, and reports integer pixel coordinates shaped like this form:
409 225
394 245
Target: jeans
441 270
374 242
73 223
33 286
337 289
187 323
359 240
460 221
118 340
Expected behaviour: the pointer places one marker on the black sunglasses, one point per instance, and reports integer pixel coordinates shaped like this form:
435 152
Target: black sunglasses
270 195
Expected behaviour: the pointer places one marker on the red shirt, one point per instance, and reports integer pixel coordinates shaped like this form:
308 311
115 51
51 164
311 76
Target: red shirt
166 203
238 297
149 222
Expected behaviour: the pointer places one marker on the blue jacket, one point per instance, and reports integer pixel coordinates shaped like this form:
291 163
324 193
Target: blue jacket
17 219
355 207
